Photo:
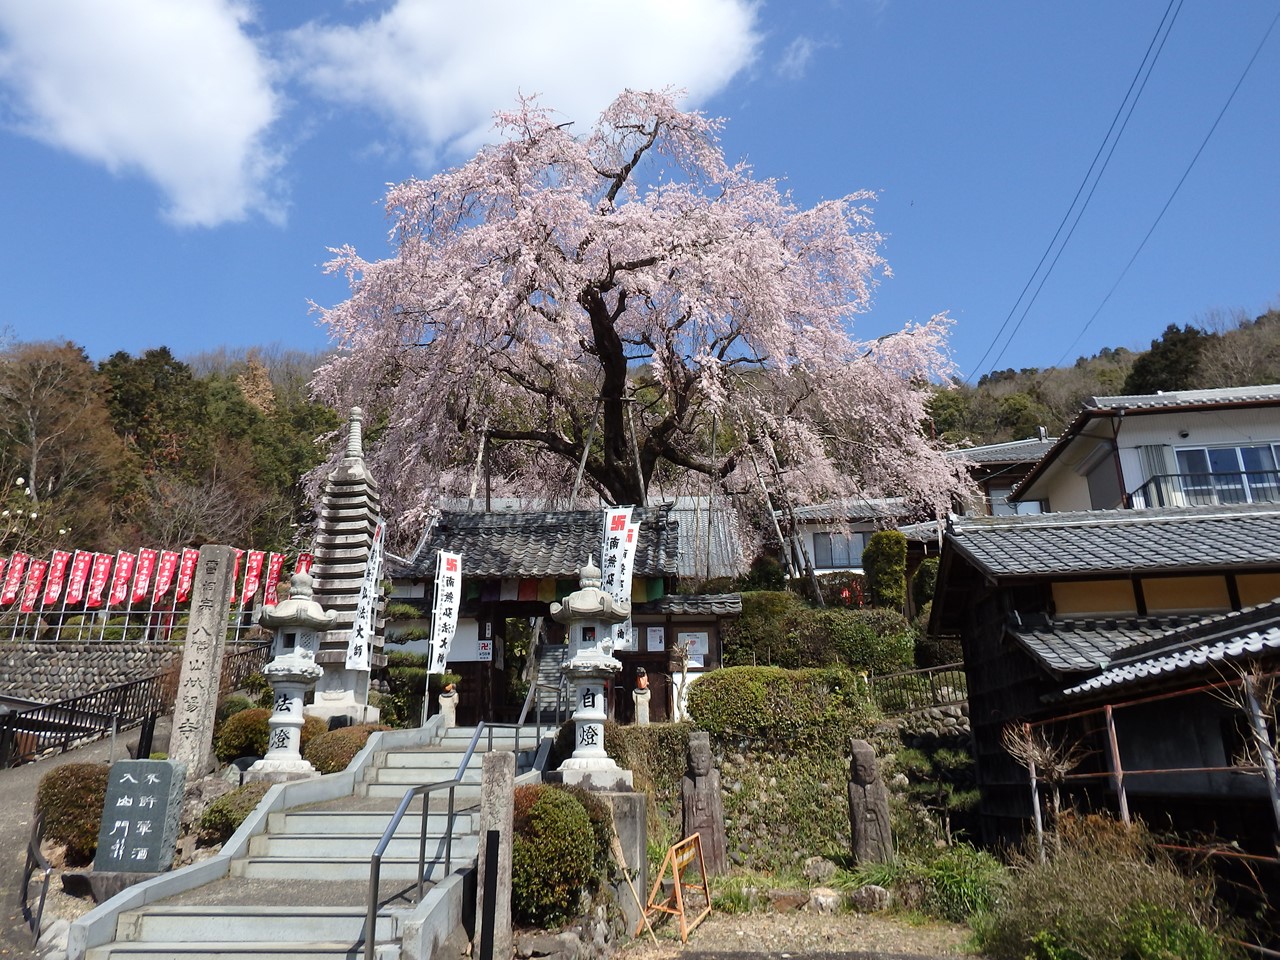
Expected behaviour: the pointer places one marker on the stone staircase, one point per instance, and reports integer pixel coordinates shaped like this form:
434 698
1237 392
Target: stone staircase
299 891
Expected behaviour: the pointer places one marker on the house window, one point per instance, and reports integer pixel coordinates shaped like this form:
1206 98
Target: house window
836 551
1230 474
1001 507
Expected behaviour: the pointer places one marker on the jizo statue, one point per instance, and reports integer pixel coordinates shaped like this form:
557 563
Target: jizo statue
703 806
640 697
871 838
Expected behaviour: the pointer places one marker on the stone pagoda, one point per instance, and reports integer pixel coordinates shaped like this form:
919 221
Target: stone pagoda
349 512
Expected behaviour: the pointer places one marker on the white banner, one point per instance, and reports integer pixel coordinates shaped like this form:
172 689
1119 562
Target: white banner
617 560
363 625
444 609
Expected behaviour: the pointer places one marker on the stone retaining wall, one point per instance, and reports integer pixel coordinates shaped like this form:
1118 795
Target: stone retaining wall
58 670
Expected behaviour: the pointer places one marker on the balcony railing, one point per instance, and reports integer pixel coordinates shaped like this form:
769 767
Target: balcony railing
1207 489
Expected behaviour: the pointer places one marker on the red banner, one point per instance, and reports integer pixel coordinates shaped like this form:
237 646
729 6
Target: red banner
142 576
35 580
120 582
235 575
57 574
80 565
167 567
99 574
186 574
253 574
13 579
4 562
270 595
304 563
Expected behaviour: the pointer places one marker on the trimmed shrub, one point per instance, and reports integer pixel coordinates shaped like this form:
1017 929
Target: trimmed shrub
229 707
843 589
399 610
245 734
763 631
70 798
871 641
553 856
885 561
1107 893
924 581
769 703
223 817
333 750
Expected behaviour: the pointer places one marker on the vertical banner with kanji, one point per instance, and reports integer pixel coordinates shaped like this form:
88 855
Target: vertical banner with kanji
99 574
186 574
142 574
13 578
165 571
253 574
79 578
56 577
269 592
35 580
362 628
444 611
617 557
120 581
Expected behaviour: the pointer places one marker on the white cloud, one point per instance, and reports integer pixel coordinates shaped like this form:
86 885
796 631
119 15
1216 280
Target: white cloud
438 69
796 57
175 92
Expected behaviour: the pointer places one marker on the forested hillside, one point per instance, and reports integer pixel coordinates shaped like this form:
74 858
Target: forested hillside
1223 350
151 449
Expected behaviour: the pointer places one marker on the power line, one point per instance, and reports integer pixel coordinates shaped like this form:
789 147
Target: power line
1139 81
1177 187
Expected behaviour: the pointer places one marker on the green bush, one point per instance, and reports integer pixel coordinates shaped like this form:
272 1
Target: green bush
223 817
924 581
770 703
399 610
245 734
553 856
229 707
333 750
885 561
953 883
763 631
843 589
1107 893
70 799
870 641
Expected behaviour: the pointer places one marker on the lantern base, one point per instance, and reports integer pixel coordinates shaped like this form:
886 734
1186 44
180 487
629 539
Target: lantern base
596 779
280 771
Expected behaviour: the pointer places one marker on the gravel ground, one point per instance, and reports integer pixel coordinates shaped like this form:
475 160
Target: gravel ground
808 935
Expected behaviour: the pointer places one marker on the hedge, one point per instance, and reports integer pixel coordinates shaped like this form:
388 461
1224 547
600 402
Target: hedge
553 857
70 798
333 750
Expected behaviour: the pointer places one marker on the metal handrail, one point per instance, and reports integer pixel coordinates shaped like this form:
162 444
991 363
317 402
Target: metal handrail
903 686
35 860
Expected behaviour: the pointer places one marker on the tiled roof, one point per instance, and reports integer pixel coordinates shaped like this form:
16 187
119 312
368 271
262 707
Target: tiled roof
1187 398
1217 639
1015 451
1109 542
703 605
886 508
539 544
1084 645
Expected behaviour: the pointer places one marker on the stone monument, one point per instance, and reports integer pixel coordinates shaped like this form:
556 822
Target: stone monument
140 817
196 703
870 833
640 697
590 613
348 515
703 807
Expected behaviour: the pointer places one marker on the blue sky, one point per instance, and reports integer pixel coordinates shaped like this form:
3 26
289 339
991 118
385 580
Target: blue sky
173 174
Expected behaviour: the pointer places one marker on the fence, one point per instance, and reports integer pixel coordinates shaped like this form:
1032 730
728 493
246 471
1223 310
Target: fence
912 690
57 727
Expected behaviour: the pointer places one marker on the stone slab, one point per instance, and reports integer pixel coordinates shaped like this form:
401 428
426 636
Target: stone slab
140 816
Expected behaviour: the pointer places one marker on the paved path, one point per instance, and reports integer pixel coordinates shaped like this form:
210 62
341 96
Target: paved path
18 787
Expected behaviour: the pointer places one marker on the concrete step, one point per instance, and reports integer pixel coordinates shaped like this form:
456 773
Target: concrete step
322 847
211 924
464 795
372 823
240 950
446 761
348 868
415 776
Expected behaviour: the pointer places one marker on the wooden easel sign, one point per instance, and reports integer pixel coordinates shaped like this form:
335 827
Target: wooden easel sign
677 860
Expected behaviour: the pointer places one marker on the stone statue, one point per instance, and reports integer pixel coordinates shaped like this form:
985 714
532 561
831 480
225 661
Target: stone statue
871 837
640 697
703 806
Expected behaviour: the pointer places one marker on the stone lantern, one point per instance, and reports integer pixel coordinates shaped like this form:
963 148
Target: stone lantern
590 613
297 623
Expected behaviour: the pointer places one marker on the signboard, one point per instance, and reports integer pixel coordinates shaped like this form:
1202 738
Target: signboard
139 830
655 639
485 651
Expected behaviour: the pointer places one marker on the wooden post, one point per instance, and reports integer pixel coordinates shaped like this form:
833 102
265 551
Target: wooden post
1265 749
1117 771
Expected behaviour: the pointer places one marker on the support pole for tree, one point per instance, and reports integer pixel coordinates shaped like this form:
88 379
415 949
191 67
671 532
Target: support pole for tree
1035 799
635 450
1117 771
1265 749
586 449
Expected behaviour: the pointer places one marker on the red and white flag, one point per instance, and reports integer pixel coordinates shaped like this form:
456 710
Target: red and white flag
165 570
186 574
142 575
35 580
80 565
253 574
235 575
13 578
57 575
120 582
99 574
270 596
304 563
